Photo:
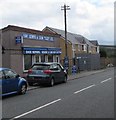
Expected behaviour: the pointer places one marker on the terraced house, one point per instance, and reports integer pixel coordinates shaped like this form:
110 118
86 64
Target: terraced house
85 53
24 46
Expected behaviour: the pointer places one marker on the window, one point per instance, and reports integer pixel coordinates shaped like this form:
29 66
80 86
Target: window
40 67
57 59
37 58
43 58
82 47
55 67
27 61
79 47
59 67
9 74
1 75
50 58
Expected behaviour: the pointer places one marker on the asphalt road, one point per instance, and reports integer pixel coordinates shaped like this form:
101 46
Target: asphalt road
87 97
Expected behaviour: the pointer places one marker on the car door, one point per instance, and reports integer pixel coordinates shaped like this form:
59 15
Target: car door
10 82
3 89
55 71
61 74
58 73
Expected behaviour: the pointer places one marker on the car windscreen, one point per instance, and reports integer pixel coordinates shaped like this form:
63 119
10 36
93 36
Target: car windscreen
41 67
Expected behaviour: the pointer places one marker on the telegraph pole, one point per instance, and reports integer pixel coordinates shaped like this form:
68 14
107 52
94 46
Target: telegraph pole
66 59
65 8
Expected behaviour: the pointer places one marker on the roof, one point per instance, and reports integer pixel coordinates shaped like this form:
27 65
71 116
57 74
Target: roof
28 30
95 42
74 38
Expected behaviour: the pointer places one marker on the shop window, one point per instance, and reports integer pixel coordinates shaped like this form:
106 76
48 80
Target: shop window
50 58
27 61
57 59
37 58
43 58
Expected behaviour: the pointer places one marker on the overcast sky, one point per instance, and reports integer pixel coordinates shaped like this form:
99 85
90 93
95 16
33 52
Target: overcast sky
94 19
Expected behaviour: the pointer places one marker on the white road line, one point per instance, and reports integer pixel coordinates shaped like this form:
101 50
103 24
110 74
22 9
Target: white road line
84 89
35 109
106 80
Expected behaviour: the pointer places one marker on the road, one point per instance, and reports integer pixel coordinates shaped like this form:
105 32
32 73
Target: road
87 97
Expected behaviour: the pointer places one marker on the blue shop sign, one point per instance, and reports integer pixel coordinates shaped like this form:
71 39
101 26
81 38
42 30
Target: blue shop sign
37 37
29 50
18 40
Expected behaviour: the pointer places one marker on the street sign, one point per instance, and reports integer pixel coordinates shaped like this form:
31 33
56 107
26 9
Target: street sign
66 62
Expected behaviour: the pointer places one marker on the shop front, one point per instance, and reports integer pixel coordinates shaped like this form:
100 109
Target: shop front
39 54
24 46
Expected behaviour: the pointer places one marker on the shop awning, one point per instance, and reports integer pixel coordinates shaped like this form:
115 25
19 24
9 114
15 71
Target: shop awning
41 50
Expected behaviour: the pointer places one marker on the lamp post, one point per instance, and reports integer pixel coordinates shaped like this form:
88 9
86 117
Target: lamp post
66 60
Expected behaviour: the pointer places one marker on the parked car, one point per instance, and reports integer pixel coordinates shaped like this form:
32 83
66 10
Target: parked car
11 82
46 73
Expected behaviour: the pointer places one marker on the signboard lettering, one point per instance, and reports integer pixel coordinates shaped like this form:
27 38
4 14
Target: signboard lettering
37 37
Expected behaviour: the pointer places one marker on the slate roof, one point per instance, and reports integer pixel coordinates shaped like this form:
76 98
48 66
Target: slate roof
74 38
95 42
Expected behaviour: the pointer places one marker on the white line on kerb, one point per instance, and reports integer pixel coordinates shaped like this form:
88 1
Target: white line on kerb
106 80
35 109
84 89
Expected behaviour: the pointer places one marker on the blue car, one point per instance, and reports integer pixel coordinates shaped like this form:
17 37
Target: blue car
11 82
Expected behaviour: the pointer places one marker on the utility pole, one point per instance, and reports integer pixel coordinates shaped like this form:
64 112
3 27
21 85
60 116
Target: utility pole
66 59
65 8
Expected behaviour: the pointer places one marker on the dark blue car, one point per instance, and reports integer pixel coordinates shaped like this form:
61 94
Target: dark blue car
11 82
46 73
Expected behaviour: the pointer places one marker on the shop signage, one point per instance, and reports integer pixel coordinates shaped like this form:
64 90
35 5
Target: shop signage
18 39
29 50
37 37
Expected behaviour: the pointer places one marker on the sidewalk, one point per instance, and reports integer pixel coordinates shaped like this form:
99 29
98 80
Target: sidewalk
73 76
83 74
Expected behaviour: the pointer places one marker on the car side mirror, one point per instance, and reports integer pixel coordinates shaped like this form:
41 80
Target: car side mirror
17 76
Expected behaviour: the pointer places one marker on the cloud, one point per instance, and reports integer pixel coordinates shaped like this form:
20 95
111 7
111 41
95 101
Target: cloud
92 18
94 21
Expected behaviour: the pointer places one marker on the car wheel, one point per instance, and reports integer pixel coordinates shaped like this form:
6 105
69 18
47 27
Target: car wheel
52 82
65 79
23 89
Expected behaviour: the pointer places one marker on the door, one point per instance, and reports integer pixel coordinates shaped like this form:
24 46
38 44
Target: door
3 89
57 72
10 81
61 74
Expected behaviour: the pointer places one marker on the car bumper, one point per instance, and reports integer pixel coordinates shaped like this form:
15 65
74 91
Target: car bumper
33 80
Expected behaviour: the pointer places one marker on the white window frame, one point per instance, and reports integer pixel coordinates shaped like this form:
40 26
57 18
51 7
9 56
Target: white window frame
46 58
24 63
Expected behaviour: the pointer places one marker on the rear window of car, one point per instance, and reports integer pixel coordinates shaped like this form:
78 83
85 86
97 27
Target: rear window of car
40 67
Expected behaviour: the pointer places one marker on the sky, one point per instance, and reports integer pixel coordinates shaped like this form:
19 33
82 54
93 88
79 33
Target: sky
93 19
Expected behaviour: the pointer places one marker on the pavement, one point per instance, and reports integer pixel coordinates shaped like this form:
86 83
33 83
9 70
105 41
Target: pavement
74 76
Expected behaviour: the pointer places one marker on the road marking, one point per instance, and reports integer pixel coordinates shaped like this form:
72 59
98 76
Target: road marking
38 108
84 89
106 80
